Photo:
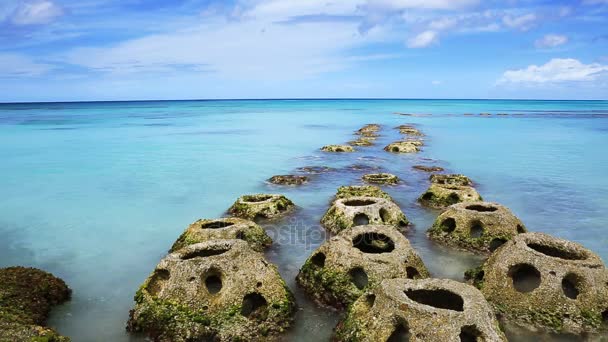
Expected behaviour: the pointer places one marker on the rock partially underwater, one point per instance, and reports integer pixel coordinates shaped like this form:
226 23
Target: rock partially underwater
409 130
452 179
26 298
339 271
261 206
219 290
410 146
288 180
359 211
362 142
446 190
435 310
427 168
224 228
338 148
476 226
539 280
381 178
361 191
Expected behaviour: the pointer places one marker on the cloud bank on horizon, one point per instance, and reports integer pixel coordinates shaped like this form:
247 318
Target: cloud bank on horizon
61 50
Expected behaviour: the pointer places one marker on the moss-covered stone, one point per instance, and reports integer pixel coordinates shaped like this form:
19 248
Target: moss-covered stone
434 310
409 130
361 191
381 178
315 170
26 298
441 196
541 281
409 146
361 142
339 271
261 206
224 228
354 211
453 179
427 168
476 226
219 290
288 180
338 148
369 128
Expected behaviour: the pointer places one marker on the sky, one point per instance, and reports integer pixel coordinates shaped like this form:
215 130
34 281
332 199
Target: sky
66 50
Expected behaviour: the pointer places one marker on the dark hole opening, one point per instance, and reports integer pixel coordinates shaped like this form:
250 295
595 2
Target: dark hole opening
370 299
605 317
384 215
469 333
395 149
159 276
216 225
481 208
520 229
525 277
558 252
476 229
402 223
373 243
570 285
495 243
448 225
254 306
427 196
358 203
360 220
442 299
412 272
254 199
318 260
213 282
240 235
401 333
359 277
201 253
453 198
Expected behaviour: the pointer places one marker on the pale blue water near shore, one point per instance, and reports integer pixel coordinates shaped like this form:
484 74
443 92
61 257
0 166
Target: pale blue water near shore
97 192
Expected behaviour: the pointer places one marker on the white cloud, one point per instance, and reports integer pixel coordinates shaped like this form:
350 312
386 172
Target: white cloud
551 41
419 4
423 40
522 22
555 71
436 83
36 12
16 65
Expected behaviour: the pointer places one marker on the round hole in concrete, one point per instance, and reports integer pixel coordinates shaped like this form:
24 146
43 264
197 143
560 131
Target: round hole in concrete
526 278
437 298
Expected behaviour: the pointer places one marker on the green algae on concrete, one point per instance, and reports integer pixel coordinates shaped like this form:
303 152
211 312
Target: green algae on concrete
224 228
403 147
261 206
337 148
427 168
219 290
355 211
381 178
288 180
26 298
339 271
441 196
361 190
451 179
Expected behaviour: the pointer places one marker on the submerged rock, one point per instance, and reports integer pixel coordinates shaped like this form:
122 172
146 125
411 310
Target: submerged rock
219 290
224 228
26 298
409 130
359 211
441 196
337 148
381 178
476 226
361 190
427 168
363 167
539 280
403 147
453 179
435 310
370 128
339 271
361 142
315 170
288 180
261 206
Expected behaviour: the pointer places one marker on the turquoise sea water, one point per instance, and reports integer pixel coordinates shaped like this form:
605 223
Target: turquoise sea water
97 192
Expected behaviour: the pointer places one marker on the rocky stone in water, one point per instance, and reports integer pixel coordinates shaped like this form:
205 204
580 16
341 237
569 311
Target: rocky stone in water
370 128
362 190
224 228
26 298
288 180
261 206
475 226
441 196
539 280
363 167
381 178
315 170
339 271
409 130
219 290
360 211
427 168
402 147
434 310
337 148
361 142
454 179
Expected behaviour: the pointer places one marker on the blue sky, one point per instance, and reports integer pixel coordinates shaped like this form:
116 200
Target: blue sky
64 50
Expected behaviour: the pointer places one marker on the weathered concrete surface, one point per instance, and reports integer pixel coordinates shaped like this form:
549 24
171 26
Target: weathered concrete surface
261 205
381 178
358 211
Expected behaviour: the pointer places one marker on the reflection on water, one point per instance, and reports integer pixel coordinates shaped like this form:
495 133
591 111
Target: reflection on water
101 204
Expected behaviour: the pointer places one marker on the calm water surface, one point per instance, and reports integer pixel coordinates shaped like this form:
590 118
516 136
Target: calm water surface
97 192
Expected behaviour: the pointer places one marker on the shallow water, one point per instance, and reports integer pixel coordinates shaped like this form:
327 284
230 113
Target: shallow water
97 192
